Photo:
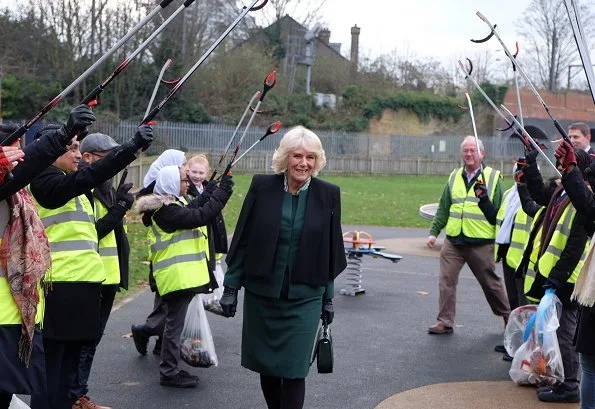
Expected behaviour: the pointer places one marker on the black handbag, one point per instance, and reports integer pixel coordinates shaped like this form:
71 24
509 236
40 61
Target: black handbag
323 350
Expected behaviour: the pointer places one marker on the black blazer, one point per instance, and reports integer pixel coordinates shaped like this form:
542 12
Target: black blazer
321 252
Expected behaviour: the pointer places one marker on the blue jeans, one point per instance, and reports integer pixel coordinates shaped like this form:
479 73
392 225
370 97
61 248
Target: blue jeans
588 381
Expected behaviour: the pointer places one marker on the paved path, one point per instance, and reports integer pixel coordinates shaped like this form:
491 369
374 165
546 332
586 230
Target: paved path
384 357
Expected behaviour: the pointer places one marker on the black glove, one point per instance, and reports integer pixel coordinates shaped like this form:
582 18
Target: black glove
229 301
480 189
227 183
79 119
531 156
143 137
124 197
328 312
552 282
211 186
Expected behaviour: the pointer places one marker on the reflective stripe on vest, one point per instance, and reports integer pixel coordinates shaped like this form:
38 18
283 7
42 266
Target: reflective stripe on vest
73 240
108 250
521 230
9 311
543 264
179 259
465 215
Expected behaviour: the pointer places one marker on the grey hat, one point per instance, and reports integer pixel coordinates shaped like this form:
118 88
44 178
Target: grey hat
97 142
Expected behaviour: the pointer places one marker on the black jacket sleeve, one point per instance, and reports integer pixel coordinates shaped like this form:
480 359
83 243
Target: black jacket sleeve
572 253
52 188
488 209
537 188
39 154
337 257
527 203
173 217
110 221
580 197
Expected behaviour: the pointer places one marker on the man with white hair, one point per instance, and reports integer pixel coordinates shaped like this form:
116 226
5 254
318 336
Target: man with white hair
469 235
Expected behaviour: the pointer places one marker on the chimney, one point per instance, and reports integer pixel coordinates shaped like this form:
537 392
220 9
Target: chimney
325 35
354 49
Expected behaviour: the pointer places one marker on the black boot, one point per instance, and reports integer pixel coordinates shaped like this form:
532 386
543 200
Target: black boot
157 348
140 338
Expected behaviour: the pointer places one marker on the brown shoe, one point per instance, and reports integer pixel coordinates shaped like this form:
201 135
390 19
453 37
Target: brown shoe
439 329
85 403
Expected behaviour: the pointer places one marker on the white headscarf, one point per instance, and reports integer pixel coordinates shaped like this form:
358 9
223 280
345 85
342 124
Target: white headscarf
168 181
167 158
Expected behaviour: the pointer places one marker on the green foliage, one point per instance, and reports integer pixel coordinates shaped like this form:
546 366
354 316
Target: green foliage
495 92
425 105
189 112
24 95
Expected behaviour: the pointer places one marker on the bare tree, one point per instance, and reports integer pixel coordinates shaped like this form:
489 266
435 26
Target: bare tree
306 12
549 40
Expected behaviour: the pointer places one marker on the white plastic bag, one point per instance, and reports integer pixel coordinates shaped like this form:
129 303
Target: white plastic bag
197 347
16 403
515 329
211 301
538 361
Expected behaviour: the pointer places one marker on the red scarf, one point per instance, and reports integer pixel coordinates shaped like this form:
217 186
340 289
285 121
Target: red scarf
25 258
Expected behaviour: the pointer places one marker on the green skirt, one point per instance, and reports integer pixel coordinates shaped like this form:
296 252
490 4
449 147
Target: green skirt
278 335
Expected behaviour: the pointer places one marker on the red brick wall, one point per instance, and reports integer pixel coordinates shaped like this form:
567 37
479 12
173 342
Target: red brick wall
572 106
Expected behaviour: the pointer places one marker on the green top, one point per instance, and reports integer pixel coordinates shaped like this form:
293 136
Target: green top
293 212
442 214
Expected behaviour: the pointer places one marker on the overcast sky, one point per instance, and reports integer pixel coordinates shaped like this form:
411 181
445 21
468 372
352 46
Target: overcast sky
438 28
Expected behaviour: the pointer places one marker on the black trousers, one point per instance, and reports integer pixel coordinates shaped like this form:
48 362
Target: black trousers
514 286
80 386
61 365
176 307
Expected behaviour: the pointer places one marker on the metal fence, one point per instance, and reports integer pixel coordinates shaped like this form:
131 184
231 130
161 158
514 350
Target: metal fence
346 152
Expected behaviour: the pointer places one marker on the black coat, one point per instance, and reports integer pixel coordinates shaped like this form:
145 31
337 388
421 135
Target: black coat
321 252
114 221
577 238
39 154
585 333
171 217
72 309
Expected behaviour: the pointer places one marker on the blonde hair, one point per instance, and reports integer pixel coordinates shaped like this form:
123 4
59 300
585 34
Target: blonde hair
299 137
200 159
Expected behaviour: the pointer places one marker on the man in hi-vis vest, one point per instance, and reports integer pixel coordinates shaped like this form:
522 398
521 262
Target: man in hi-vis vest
65 205
469 235
110 207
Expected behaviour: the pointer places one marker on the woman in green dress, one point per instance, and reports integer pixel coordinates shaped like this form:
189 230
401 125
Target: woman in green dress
286 251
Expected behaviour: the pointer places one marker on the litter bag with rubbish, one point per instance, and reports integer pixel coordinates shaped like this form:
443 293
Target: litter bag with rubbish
515 329
538 360
211 301
197 347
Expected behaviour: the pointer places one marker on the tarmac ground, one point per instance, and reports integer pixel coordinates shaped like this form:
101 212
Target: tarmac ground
384 357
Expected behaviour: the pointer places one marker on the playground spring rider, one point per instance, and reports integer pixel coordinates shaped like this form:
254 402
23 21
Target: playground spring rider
361 244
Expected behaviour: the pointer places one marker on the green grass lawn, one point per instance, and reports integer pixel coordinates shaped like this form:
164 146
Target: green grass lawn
366 200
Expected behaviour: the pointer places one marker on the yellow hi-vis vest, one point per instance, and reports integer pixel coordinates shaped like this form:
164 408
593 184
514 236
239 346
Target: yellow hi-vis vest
543 264
465 215
521 230
9 311
108 250
73 240
179 258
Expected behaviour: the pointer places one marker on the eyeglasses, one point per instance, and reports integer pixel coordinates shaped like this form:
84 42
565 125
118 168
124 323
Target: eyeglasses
187 181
